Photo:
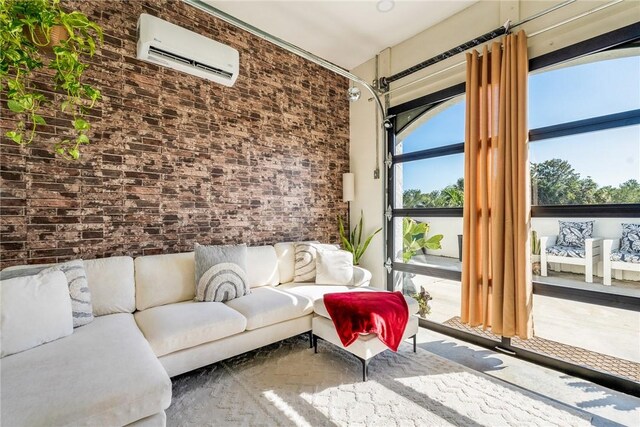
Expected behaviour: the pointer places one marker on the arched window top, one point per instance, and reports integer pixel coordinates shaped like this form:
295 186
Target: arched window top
432 126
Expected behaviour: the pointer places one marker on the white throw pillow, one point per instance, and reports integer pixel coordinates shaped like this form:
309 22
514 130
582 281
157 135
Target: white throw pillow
334 267
35 310
305 260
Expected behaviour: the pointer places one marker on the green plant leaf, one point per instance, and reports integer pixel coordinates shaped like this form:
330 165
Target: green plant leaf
83 139
80 124
14 136
15 106
434 242
368 241
38 119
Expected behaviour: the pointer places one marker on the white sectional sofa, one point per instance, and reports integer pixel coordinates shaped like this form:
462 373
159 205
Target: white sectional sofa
115 370
104 374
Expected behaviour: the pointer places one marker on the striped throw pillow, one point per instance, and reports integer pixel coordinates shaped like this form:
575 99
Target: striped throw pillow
221 272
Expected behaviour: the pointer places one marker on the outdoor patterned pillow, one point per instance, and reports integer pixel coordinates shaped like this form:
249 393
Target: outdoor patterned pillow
221 272
630 238
573 234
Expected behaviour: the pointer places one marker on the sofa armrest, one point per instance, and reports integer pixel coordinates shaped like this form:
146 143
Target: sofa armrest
361 276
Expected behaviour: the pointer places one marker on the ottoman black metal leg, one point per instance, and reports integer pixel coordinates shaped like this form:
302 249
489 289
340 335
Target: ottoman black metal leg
315 344
414 342
310 333
365 369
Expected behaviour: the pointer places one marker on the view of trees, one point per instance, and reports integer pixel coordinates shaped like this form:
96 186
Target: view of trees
553 182
450 196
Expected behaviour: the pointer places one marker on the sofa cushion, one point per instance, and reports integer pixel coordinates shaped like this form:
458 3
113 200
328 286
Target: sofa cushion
34 310
266 306
286 260
112 285
174 327
619 255
630 241
164 279
566 251
221 272
317 291
105 373
573 233
262 266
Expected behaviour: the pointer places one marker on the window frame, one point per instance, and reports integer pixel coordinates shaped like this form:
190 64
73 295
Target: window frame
393 159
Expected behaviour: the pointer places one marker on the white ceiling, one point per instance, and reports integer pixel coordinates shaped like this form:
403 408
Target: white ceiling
346 33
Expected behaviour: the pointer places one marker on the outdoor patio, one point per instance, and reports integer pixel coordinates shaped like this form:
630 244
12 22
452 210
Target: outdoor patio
606 337
561 278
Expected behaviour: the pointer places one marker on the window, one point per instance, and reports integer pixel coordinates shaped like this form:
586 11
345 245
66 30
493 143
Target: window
585 137
584 152
427 182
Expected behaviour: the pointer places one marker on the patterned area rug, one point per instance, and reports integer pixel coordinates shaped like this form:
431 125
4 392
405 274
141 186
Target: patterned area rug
286 384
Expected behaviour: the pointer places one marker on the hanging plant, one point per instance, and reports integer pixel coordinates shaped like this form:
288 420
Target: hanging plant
35 34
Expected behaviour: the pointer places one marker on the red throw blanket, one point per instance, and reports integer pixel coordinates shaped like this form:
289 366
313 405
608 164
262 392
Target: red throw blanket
382 313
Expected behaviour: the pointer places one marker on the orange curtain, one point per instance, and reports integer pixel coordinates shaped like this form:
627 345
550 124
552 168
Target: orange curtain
496 276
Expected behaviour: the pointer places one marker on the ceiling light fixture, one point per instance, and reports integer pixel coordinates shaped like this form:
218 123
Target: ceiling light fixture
385 5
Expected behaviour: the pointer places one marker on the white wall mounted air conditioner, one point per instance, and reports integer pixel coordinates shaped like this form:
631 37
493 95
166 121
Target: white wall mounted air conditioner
169 45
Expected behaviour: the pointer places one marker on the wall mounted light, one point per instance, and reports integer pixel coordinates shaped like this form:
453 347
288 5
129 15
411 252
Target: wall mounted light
348 187
353 94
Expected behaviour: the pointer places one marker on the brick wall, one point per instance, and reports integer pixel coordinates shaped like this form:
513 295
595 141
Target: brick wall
176 159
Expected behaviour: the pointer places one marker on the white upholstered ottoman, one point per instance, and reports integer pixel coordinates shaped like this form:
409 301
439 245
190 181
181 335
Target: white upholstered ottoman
368 345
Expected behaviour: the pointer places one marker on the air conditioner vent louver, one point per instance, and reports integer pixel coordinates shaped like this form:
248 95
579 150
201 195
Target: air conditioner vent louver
169 45
154 50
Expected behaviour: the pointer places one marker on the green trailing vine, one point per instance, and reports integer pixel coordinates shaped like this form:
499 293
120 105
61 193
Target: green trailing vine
26 46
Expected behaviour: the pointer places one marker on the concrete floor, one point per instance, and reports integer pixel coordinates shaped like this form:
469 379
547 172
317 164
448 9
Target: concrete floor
609 407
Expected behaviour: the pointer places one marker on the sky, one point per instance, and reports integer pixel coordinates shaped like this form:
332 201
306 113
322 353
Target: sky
566 94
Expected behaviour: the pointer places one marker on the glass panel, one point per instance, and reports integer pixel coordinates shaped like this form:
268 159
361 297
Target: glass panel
589 168
578 89
435 182
436 126
433 251
445 303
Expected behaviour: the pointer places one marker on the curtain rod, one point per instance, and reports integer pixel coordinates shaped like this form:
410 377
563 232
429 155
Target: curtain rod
199 4
544 30
385 81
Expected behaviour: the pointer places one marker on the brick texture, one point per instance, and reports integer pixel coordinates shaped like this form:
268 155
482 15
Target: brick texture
176 159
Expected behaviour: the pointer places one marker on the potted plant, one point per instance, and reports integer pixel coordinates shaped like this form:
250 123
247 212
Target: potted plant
37 34
535 253
352 242
414 240
423 297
